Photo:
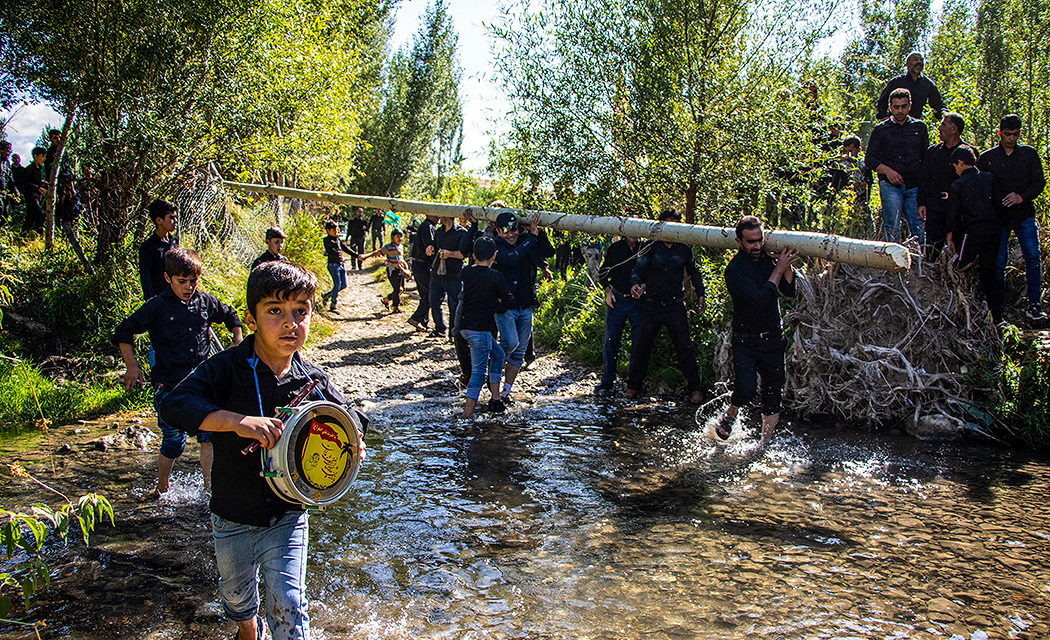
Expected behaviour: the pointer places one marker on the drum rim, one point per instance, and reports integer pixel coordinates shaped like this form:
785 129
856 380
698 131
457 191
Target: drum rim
285 485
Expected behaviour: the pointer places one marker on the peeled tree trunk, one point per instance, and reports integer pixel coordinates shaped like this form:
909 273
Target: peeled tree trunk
866 253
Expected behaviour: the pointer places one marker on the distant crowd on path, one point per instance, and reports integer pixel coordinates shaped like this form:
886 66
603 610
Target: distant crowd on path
23 188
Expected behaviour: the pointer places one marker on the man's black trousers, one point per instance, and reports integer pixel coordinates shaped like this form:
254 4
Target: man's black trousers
421 274
652 316
754 357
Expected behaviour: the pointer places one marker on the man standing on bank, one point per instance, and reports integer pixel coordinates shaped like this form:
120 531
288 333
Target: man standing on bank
939 174
897 153
921 88
755 282
657 279
1018 174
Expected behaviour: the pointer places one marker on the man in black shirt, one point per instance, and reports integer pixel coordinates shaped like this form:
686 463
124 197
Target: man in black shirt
1018 174
54 136
274 243
621 307
420 265
152 250
34 186
375 224
356 229
897 152
755 283
972 216
921 88
657 279
444 274
938 176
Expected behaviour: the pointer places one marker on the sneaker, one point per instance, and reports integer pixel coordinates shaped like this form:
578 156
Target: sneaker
630 393
396 310
1035 312
496 406
724 428
436 334
507 400
325 296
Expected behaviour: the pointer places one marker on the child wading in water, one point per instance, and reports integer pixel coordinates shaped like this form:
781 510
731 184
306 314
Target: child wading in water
396 268
485 292
233 396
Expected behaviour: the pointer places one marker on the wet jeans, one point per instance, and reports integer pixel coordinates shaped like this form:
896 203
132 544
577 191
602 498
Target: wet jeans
515 329
279 553
896 201
1028 237
486 356
173 441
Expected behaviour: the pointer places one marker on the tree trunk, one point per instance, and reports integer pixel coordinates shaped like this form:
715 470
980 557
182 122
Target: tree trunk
52 181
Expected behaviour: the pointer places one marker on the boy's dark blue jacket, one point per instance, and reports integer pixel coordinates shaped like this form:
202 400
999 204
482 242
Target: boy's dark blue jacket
226 381
177 330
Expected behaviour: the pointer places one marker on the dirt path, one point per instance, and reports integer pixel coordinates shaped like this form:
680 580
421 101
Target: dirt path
153 575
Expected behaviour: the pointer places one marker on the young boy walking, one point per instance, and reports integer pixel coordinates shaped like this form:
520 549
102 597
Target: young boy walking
485 293
396 268
177 320
333 251
274 243
152 250
233 396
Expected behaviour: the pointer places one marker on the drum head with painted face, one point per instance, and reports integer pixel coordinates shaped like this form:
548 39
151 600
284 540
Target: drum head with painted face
324 453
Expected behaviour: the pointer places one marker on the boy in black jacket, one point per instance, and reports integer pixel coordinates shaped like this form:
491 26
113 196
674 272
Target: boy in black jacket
233 396
973 218
177 320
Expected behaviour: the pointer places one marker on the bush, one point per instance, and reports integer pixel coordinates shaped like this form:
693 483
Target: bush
1024 382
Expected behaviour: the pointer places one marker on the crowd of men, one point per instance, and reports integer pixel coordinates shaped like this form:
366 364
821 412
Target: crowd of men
23 188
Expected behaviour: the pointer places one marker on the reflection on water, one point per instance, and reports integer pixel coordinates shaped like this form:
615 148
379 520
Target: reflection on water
576 520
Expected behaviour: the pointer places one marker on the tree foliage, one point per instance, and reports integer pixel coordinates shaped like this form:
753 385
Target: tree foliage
418 127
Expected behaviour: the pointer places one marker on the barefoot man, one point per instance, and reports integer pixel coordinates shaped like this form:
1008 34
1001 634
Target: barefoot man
755 282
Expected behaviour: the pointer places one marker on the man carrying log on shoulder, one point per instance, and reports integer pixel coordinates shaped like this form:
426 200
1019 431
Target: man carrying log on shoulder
755 282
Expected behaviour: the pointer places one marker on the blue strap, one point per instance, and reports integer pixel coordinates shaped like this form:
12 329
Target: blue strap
253 362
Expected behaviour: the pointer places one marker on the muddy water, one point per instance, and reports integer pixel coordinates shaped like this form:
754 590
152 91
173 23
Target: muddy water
571 519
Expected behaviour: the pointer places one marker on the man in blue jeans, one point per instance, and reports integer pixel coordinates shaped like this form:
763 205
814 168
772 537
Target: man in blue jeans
517 256
621 307
897 153
1017 171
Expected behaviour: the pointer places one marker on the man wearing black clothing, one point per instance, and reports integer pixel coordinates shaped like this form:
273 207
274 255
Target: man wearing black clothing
921 88
938 176
356 230
153 248
8 189
755 283
897 152
52 152
444 273
421 264
1018 174
972 215
621 307
657 279
375 224
34 186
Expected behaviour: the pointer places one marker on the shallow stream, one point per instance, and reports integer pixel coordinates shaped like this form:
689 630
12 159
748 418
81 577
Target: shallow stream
577 519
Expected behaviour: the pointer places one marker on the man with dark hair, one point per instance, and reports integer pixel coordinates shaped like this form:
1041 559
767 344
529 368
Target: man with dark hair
375 225
444 273
657 279
1018 174
421 264
621 307
274 243
54 136
897 153
34 186
972 216
152 250
920 87
755 283
356 230
8 189
938 176
851 159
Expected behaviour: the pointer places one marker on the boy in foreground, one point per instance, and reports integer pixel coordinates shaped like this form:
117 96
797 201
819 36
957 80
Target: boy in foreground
233 396
485 293
177 320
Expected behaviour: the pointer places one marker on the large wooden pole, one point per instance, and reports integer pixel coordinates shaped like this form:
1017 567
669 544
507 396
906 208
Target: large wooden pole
865 253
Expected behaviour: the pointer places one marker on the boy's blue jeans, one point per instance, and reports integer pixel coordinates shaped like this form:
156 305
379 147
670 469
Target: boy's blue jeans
279 552
895 201
1028 237
338 273
485 355
515 329
173 441
625 309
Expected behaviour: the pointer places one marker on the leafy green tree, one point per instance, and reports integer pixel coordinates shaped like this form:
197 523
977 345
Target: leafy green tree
419 124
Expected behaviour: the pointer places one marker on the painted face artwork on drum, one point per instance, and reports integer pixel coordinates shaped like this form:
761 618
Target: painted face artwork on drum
325 454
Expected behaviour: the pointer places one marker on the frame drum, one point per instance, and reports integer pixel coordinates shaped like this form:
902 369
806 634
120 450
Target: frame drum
317 457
